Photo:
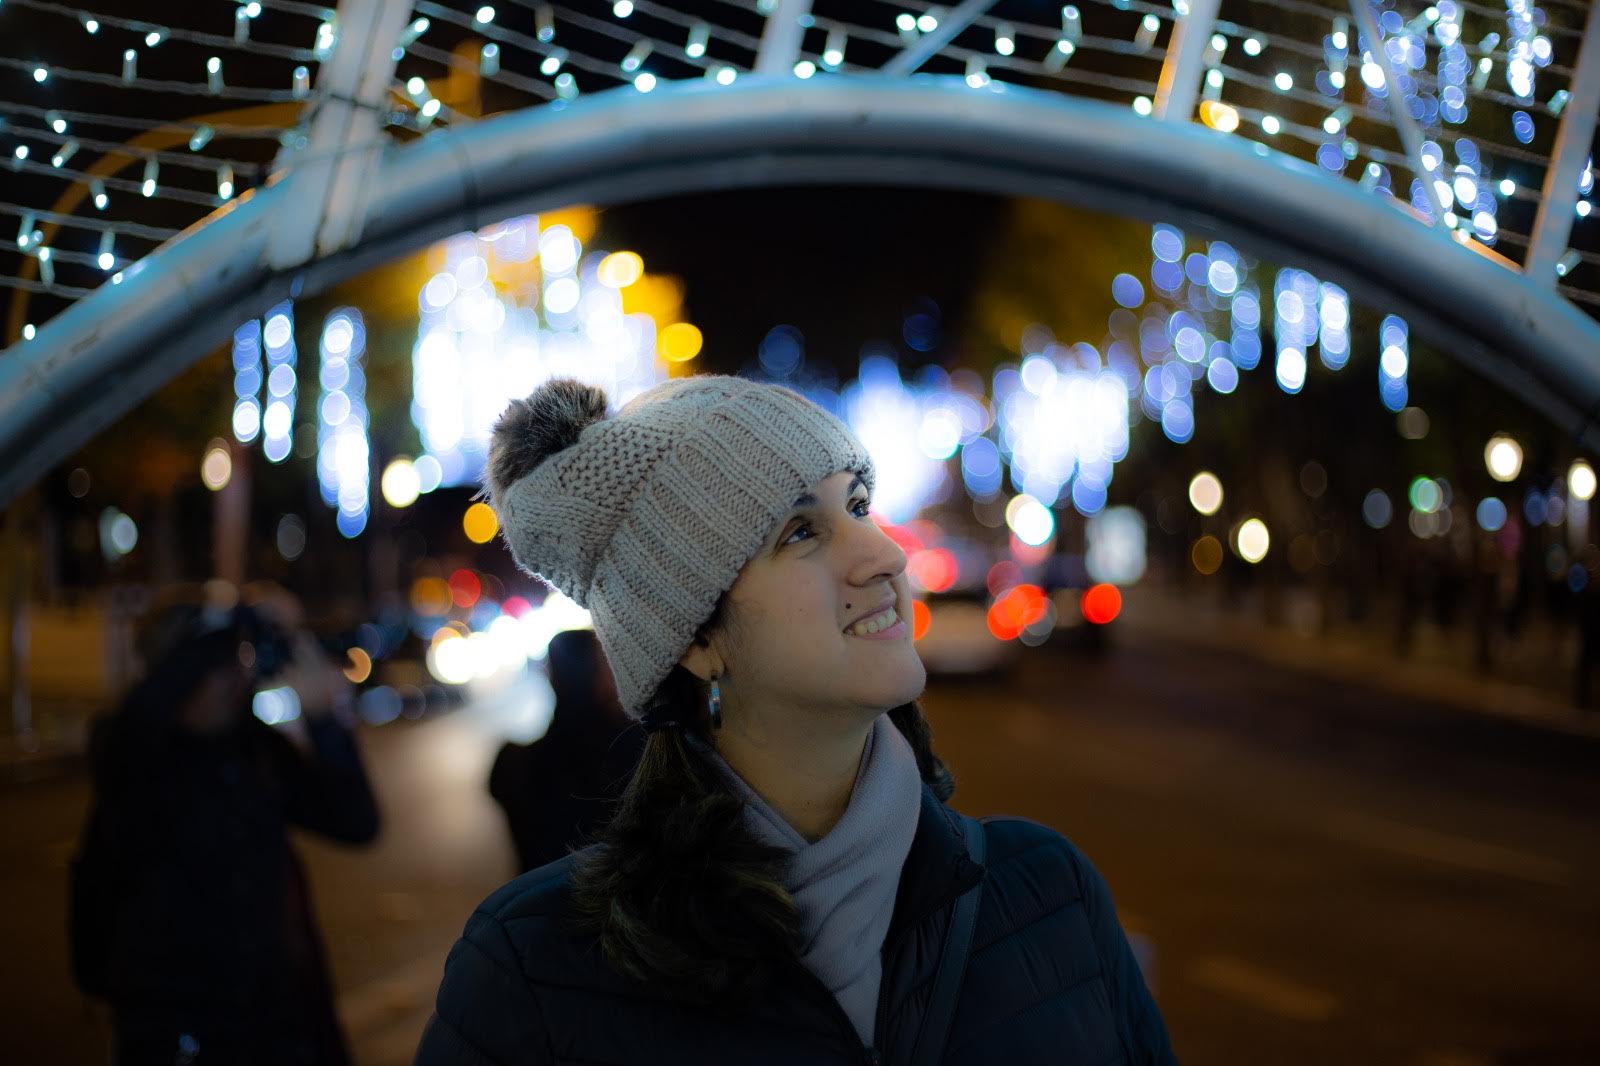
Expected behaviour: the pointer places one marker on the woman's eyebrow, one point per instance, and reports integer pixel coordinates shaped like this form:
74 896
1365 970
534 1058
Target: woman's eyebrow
810 500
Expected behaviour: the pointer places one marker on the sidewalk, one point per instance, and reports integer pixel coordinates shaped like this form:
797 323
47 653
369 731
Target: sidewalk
1151 612
383 1020
56 743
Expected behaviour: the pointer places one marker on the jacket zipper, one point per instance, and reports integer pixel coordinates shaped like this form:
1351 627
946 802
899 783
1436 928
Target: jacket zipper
869 1053
871 1056
886 953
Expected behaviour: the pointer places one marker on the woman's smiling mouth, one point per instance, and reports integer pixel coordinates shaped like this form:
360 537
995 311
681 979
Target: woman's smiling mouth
885 625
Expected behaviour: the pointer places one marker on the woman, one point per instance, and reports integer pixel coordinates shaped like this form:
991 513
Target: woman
779 880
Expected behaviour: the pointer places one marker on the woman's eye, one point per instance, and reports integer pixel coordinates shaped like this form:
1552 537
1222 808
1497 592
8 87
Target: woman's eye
864 506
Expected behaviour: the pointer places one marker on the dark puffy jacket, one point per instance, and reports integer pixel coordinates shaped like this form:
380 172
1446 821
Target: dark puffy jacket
190 911
1051 977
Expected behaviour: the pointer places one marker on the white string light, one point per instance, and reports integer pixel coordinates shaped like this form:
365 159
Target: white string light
153 85
155 34
153 234
699 36
161 192
175 158
415 29
833 50
1149 26
1013 48
636 56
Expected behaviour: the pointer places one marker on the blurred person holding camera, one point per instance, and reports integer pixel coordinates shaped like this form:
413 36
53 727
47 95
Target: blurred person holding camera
190 912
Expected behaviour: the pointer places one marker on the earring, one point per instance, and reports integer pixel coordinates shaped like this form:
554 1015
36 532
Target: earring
716 705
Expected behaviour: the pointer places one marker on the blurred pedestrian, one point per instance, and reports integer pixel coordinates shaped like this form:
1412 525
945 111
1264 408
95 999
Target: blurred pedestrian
560 789
783 882
1588 627
190 912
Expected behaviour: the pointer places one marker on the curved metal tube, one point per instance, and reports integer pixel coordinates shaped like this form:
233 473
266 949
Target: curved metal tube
108 351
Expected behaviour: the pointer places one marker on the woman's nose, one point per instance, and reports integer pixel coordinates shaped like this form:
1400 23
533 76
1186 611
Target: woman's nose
882 554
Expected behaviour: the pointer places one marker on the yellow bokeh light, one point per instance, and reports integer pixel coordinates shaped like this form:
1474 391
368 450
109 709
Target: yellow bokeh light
1205 492
1503 457
1253 540
656 295
1219 116
1206 554
581 219
620 269
359 666
430 596
216 469
1581 481
680 342
400 483
480 523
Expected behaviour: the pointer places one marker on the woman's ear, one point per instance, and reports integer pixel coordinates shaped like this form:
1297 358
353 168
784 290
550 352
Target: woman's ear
702 660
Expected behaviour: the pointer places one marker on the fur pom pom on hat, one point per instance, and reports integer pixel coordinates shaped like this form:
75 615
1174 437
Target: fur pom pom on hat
532 430
645 518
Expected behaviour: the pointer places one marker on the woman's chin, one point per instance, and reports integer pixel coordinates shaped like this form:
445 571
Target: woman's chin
906 684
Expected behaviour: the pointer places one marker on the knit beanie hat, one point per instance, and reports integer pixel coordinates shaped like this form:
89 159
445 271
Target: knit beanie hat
645 518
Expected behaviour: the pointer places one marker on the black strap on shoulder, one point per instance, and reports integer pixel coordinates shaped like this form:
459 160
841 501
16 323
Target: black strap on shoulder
953 962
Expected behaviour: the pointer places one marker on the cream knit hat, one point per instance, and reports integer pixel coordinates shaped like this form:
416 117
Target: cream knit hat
646 518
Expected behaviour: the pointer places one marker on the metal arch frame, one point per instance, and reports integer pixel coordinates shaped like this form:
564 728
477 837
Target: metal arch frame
104 354
1553 224
341 158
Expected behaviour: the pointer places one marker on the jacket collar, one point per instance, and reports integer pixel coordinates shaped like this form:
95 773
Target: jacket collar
938 868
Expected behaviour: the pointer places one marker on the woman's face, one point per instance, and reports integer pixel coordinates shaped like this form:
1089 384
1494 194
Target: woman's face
786 648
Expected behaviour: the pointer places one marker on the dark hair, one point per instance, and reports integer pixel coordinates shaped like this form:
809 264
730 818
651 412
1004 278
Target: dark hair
574 658
179 650
685 900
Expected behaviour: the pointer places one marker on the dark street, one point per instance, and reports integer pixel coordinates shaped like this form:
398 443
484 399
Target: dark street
1326 874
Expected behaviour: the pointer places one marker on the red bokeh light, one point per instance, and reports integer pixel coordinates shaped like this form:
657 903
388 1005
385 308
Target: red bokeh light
465 588
1017 609
1002 575
1101 604
904 536
934 569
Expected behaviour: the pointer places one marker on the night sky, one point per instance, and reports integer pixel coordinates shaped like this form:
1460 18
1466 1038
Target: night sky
843 265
